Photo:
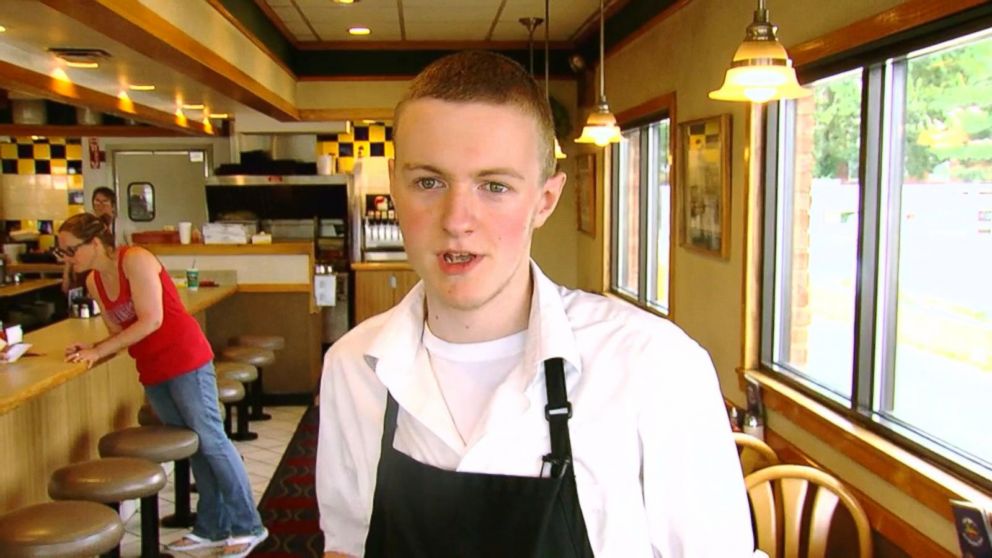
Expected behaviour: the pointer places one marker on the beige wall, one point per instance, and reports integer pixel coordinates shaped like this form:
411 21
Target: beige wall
688 53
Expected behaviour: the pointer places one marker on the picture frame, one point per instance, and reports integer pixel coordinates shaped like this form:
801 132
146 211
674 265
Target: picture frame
704 185
585 193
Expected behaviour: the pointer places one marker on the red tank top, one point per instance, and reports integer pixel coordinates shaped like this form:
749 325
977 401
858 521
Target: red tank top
178 346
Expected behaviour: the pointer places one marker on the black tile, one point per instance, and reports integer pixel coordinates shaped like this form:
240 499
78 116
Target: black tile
9 166
77 165
377 149
57 151
43 167
389 133
74 141
346 149
327 137
25 151
361 133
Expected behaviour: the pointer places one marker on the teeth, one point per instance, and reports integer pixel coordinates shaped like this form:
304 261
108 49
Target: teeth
457 258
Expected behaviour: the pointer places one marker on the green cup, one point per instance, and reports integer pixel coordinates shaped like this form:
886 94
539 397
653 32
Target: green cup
192 279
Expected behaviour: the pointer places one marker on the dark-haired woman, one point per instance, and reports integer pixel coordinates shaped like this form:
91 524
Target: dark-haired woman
144 315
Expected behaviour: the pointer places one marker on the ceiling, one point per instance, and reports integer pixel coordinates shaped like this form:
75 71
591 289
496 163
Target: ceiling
307 37
315 21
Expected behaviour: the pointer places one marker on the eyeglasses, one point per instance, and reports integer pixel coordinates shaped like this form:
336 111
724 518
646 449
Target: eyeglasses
69 251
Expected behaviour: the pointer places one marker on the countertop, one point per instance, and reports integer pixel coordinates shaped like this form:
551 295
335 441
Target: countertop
231 249
26 286
381 266
34 375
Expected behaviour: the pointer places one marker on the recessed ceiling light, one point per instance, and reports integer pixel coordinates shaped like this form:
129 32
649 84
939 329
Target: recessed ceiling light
2 28
359 30
220 116
346 1
139 87
82 65
193 107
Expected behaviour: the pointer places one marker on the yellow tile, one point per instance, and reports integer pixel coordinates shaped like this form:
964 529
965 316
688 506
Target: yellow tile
42 151
328 148
74 151
389 149
76 210
24 139
59 166
8 150
345 137
346 164
75 182
25 166
56 141
377 133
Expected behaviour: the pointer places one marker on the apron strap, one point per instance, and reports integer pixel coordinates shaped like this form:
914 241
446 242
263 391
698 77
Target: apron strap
557 412
389 423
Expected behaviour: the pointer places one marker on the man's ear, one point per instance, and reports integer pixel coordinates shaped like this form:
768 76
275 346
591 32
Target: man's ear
550 194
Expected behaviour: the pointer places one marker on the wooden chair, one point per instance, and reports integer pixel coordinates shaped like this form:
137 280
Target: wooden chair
754 453
780 502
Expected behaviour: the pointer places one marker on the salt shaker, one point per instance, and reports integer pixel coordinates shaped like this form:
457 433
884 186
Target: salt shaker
754 427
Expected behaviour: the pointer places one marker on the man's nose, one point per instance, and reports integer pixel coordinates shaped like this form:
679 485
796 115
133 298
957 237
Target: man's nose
458 211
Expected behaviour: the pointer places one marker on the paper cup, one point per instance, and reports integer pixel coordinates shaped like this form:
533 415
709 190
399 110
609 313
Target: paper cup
192 279
185 232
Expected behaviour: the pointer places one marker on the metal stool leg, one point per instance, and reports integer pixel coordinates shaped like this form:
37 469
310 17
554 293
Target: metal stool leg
149 527
243 434
116 551
228 429
182 516
256 399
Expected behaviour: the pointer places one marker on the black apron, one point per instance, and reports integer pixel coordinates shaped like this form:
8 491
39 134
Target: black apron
421 511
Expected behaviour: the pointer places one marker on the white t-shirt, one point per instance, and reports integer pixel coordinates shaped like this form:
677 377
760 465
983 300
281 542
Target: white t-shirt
469 373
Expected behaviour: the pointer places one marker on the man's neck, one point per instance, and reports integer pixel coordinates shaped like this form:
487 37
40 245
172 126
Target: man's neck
503 315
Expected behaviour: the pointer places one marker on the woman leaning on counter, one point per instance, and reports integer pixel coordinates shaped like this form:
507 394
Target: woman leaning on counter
143 312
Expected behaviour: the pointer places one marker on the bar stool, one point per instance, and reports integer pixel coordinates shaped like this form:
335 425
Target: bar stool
259 358
56 529
111 481
160 444
244 374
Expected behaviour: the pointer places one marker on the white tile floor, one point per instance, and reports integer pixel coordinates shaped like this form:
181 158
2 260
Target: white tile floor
261 458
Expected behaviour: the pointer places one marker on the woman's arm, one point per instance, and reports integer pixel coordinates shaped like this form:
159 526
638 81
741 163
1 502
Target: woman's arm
73 350
141 271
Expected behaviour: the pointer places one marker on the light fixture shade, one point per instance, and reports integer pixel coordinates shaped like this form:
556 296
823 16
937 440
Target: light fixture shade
559 154
761 69
601 127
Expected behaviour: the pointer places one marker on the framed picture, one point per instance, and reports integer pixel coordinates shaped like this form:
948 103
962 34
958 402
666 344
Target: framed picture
585 193
704 177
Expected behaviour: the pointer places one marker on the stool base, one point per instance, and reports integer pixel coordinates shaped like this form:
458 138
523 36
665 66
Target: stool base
176 521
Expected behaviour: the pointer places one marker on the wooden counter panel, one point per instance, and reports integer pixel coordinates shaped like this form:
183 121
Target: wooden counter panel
230 249
381 266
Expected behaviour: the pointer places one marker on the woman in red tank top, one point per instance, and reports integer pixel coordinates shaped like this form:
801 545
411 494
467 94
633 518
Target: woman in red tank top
144 314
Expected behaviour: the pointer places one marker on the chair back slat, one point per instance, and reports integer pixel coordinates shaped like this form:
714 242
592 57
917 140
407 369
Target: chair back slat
823 508
754 453
794 493
765 517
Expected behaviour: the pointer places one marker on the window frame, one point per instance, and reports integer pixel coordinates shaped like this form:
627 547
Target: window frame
878 162
642 117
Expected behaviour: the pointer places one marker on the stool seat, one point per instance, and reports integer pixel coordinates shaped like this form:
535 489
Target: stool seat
268 342
156 443
107 480
68 528
249 355
230 391
237 371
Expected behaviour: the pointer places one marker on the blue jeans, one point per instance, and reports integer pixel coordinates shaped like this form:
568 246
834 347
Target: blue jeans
226 506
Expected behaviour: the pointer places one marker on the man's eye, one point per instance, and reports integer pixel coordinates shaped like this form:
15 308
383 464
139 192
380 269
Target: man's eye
495 187
428 183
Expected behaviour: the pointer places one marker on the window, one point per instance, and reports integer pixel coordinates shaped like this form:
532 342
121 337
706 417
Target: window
642 193
879 229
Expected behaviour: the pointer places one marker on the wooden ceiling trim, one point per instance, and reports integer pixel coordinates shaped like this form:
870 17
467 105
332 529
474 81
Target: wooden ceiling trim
305 19
356 78
326 115
42 85
222 10
902 17
651 24
135 25
90 131
429 45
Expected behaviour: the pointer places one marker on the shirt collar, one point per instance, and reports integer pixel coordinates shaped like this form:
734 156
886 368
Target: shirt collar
550 335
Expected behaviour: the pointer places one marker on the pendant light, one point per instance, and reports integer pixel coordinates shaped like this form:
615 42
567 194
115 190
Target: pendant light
761 69
559 154
601 126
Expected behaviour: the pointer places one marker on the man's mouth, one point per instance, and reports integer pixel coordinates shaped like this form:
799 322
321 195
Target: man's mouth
458 257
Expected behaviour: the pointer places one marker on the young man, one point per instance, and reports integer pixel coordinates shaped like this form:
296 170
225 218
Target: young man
492 412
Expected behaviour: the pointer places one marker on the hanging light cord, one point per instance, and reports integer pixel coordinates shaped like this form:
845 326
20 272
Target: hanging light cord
602 59
547 25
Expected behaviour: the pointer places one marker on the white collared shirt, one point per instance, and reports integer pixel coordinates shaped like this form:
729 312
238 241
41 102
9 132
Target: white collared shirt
656 469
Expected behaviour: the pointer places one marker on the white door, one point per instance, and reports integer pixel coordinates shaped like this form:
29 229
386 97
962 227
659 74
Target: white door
159 188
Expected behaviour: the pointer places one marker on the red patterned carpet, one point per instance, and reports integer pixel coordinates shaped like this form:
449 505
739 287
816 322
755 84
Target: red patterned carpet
289 505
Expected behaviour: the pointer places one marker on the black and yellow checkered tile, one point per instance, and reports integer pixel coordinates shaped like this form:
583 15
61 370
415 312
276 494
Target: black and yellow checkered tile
371 140
46 155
